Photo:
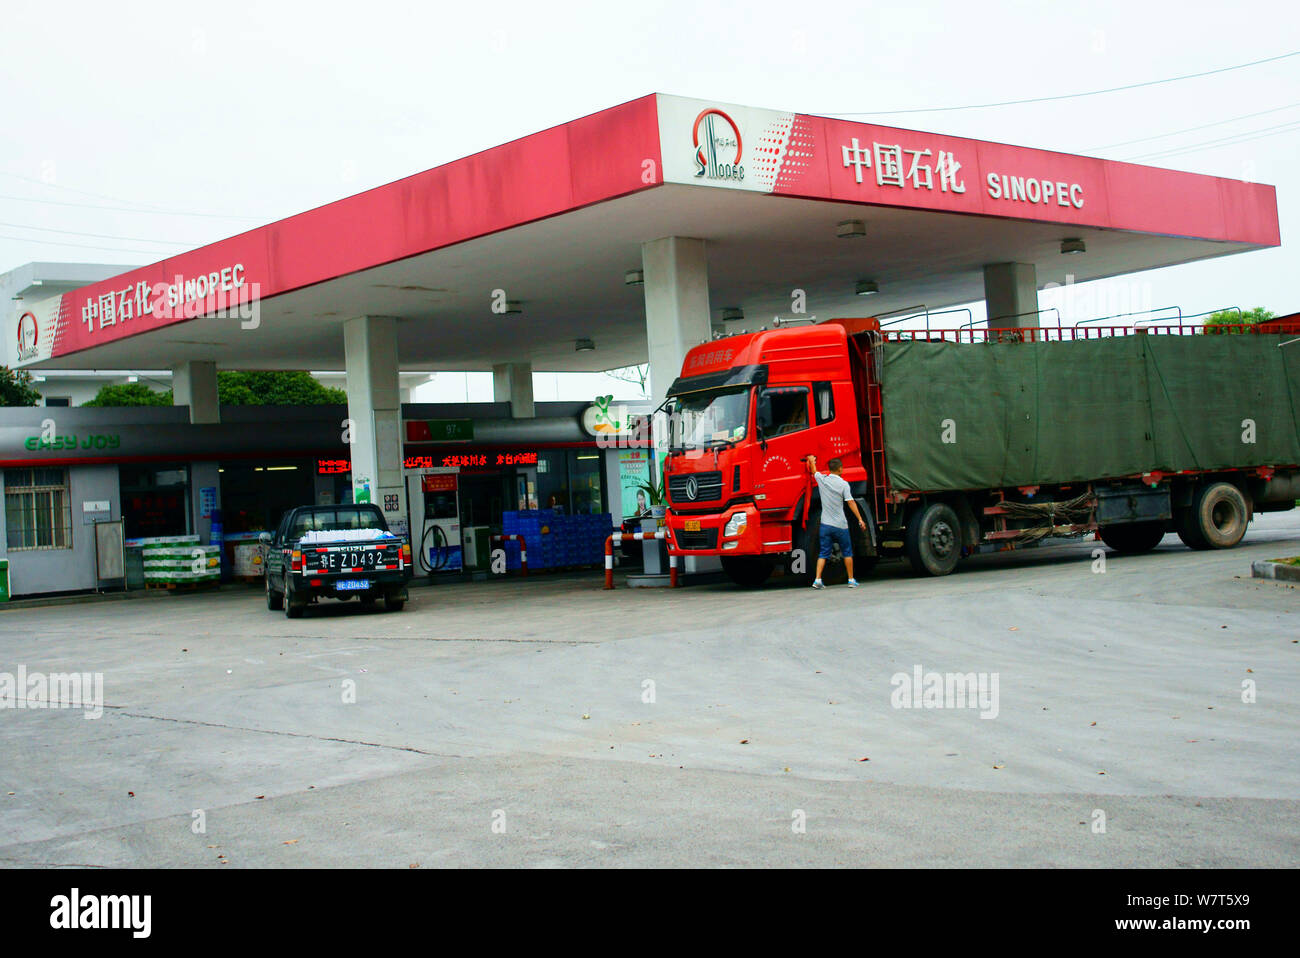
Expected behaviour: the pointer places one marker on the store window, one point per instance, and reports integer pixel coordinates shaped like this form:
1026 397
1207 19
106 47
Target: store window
553 480
38 511
585 475
156 500
254 497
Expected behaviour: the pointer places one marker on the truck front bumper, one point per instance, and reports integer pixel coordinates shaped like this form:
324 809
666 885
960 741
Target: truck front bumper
722 533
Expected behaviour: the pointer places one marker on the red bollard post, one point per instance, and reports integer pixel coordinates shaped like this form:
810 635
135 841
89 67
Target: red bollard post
609 561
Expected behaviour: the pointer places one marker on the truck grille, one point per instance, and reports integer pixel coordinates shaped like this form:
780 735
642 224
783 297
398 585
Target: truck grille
707 485
705 539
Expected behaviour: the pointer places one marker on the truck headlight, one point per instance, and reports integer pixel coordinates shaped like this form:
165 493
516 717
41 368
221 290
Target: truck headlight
736 524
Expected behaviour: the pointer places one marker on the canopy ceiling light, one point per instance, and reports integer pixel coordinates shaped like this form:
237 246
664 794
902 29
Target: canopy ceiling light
584 346
634 277
866 287
1073 245
731 313
850 228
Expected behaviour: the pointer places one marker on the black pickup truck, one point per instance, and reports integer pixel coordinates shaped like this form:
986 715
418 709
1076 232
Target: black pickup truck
334 552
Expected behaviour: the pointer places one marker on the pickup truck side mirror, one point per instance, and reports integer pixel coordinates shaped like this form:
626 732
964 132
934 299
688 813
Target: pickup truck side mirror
264 538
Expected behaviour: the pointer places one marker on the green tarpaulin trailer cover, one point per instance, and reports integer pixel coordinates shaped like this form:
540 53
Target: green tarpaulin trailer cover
984 415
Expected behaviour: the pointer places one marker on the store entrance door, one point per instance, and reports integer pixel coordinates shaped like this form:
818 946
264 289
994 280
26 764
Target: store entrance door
482 495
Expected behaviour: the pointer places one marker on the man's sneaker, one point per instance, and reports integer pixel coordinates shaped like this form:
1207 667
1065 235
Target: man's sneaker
817 584
853 583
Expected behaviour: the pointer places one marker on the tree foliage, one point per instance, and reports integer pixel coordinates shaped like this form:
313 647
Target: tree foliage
234 388
16 388
1230 317
129 394
286 388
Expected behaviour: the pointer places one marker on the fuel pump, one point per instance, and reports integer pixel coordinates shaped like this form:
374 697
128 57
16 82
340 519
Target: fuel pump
435 519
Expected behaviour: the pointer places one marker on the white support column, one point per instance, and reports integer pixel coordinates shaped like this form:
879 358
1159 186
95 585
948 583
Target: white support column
194 384
1011 294
677 317
676 274
513 383
374 426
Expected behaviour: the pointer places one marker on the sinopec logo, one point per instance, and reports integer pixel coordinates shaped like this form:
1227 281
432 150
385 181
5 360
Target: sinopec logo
27 333
718 147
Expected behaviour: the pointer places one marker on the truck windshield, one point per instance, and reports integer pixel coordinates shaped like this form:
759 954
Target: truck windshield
704 419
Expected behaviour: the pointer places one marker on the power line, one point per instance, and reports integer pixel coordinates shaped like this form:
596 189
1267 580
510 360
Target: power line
105 196
1072 96
121 209
114 249
1244 136
1193 129
133 239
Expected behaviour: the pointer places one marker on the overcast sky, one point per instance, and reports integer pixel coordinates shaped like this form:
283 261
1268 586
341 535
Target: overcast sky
248 112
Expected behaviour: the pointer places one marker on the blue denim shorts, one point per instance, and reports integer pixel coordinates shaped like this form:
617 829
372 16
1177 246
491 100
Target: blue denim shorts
829 534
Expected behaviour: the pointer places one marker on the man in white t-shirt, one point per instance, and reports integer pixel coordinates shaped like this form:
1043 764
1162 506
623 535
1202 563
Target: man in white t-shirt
835 492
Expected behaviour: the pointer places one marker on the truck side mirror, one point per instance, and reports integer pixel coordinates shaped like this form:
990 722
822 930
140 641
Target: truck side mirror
264 538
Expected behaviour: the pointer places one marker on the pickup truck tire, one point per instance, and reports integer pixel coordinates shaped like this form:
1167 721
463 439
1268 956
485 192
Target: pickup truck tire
394 605
748 572
1216 519
933 540
292 609
274 600
1134 538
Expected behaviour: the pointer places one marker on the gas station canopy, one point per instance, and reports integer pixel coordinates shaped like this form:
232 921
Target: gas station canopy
551 223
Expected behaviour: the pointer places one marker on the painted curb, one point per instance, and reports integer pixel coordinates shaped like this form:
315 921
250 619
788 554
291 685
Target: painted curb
1263 569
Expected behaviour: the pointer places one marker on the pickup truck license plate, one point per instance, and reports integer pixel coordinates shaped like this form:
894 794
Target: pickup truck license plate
350 585
366 559
692 525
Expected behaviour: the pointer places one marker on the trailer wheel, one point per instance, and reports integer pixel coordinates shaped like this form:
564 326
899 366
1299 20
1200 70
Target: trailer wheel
933 540
1133 538
274 600
748 572
1217 518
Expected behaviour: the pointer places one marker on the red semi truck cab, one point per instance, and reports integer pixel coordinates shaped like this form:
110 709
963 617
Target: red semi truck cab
745 414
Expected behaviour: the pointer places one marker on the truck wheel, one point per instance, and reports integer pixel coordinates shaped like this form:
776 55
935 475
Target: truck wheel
1217 518
292 609
274 600
394 605
748 572
1133 538
933 540
863 564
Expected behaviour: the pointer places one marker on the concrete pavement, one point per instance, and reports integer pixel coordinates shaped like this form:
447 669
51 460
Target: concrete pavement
547 722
